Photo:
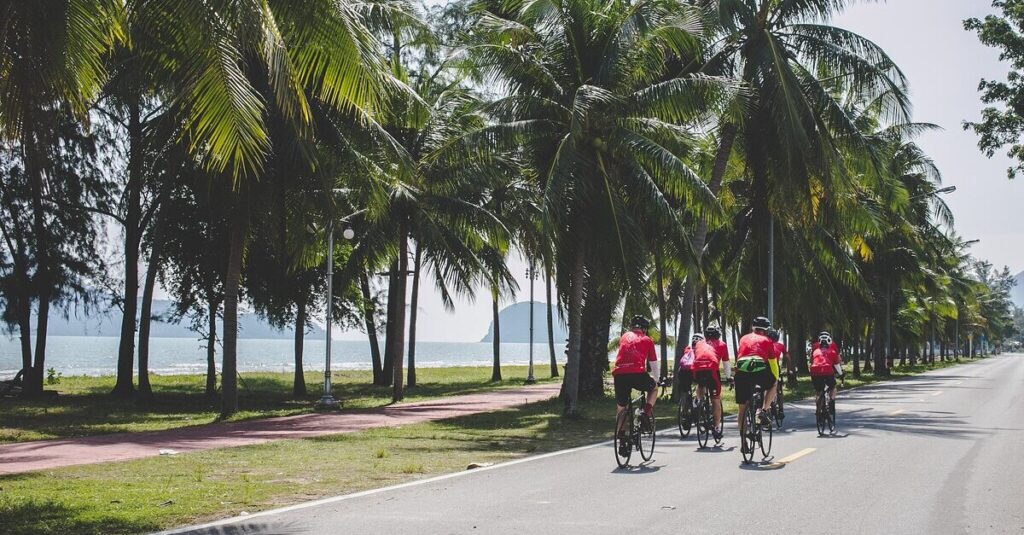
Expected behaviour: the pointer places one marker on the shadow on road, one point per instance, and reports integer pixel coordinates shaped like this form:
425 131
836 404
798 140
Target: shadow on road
252 528
645 468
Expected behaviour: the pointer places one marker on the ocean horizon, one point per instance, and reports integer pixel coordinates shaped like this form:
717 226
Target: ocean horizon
97 355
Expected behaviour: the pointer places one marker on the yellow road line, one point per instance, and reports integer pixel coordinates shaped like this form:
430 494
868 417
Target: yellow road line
894 413
795 456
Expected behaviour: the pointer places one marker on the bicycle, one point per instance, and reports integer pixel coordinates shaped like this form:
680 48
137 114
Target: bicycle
754 433
705 418
638 432
825 411
687 406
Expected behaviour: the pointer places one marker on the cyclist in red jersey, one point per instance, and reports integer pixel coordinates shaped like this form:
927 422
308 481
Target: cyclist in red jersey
755 350
636 350
713 336
781 359
706 361
826 364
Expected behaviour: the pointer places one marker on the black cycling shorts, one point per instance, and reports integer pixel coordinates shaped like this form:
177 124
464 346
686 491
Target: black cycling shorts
627 382
685 378
820 381
745 382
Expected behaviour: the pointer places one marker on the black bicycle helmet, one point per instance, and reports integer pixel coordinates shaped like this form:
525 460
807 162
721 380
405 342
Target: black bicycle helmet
761 323
773 334
712 333
640 322
697 337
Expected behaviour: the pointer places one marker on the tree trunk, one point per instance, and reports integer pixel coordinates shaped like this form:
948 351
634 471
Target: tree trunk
132 241
595 324
25 331
413 312
551 324
398 391
299 382
146 319
726 141
662 312
33 382
496 338
570 385
229 369
211 350
390 331
801 347
856 357
370 319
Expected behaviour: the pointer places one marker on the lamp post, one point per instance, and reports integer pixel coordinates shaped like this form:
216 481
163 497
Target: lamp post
531 272
940 191
327 400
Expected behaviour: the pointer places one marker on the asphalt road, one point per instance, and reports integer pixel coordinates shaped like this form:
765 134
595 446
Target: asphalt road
937 453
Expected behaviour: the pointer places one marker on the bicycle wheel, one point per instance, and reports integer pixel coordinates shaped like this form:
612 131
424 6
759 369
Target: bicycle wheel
748 434
763 436
703 424
622 441
819 414
646 434
684 420
831 417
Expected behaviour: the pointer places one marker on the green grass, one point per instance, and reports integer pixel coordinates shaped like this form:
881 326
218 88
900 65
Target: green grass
84 407
161 492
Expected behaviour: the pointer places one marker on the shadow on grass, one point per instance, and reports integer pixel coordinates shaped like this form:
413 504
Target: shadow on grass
30 517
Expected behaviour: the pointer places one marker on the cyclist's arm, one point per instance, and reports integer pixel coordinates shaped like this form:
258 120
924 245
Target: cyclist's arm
652 357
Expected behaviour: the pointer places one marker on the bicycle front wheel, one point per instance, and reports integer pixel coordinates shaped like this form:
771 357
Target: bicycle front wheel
647 434
819 414
623 445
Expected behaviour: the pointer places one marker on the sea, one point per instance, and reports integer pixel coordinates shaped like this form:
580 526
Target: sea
97 355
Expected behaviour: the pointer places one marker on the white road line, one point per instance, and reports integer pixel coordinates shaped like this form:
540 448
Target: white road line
937 393
894 413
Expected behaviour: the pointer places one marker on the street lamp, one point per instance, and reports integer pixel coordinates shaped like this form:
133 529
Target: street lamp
327 400
531 273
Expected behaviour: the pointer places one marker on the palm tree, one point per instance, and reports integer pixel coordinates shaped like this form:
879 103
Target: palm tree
590 103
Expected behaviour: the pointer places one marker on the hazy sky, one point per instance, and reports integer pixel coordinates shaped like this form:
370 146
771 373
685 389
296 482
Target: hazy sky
944 64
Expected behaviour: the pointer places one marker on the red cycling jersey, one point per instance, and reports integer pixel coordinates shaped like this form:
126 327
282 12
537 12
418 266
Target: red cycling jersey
780 349
721 349
635 350
756 345
823 360
706 357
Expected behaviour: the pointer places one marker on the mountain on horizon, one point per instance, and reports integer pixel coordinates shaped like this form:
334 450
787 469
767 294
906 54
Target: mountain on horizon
515 324
107 322
1017 293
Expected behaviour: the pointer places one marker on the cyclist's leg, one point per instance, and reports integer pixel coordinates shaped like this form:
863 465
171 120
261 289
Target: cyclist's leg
716 399
819 386
835 388
622 393
650 387
744 389
770 387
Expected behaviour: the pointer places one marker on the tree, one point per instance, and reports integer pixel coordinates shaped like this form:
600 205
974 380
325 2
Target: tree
1002 120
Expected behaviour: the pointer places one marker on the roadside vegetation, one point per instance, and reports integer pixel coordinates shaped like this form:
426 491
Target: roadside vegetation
84 407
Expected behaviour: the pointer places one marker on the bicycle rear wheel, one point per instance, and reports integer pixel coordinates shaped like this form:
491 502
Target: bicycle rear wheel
748 434
646 434
820 409
622 441
831 417
762 435
703 423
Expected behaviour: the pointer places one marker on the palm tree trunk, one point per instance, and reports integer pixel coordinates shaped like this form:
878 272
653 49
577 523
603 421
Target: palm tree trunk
856 356
726 141
551 324
662 312
25 330
146 320
299 381
211 349
398 391
370 319
413 310
570 386
390 330
496 339
229 368
34 382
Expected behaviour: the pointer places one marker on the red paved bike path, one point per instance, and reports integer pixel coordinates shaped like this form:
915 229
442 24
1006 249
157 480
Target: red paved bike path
48 454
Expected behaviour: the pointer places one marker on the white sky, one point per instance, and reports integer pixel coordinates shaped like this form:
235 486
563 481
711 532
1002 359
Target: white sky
944 64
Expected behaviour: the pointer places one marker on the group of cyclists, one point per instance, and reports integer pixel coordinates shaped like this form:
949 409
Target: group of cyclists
706 363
